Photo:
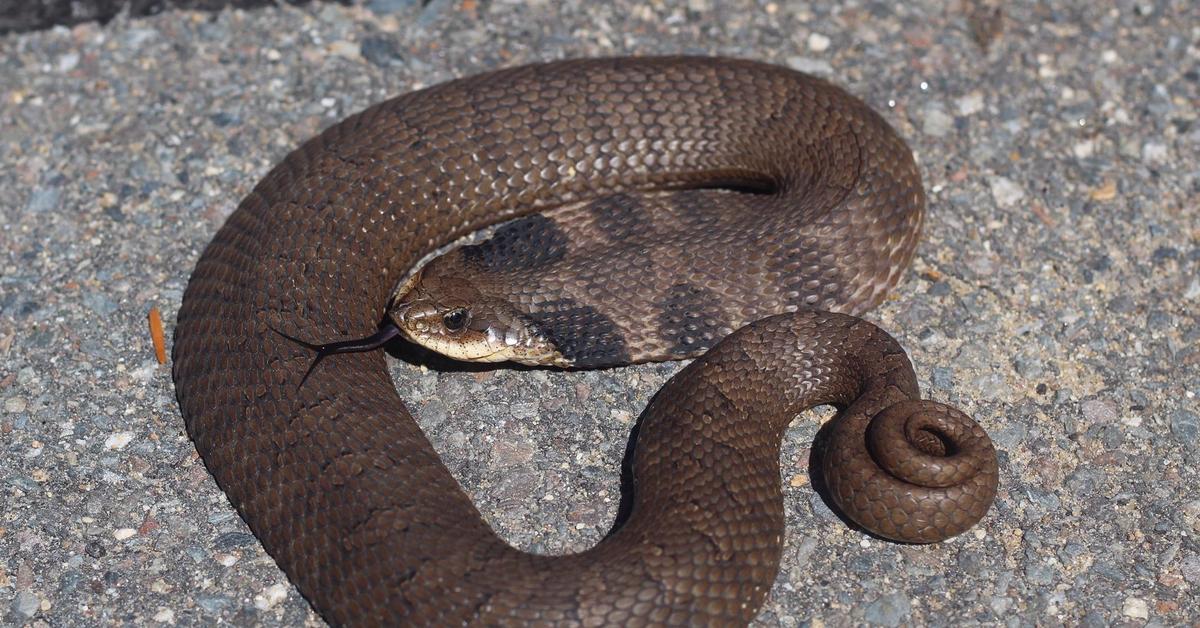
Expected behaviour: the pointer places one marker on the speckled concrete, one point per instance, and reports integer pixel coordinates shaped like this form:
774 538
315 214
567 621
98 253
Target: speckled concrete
1055 297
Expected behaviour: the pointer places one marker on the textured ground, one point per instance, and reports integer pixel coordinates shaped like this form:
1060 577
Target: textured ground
1056 297
25 15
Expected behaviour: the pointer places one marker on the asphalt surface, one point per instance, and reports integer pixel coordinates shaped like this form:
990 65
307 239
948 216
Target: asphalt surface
1055 297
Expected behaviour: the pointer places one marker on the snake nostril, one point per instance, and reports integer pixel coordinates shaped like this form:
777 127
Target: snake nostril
400 312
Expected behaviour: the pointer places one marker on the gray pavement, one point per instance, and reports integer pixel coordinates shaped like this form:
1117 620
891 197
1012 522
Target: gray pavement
1055 297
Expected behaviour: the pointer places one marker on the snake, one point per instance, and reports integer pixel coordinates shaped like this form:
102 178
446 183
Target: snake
751 213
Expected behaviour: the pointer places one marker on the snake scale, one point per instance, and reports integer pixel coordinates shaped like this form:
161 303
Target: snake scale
796 207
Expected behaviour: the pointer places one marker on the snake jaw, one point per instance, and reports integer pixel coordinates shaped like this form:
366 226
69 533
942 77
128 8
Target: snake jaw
484 330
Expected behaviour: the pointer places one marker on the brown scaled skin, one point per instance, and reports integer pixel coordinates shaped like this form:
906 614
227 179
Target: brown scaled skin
336 479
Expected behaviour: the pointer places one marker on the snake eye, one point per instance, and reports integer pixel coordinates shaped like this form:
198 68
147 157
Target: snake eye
455 319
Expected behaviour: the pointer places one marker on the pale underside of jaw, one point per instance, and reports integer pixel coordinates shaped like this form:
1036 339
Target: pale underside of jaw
494 347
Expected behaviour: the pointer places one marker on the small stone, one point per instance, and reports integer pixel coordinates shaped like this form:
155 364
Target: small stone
345 49
1107 191
225 119
434 414
1123 304
392 6
213 603
1191 569
1154 152
43 199
1040 573
937 122
809 65
970 104
165 616
271 597
1193 290
821 509
943 378
818 42
26 604
1006 192
1185 426
67 62
512 451
135 37
1191 514
889 610
1163 254
381 51
230 540
100 303
13 405
118 441
1009 437
1084 149
1136 608
434 11
122 534
524 410
1030 367
1099 411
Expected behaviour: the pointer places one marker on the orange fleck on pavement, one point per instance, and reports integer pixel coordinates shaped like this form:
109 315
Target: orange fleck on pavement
157 337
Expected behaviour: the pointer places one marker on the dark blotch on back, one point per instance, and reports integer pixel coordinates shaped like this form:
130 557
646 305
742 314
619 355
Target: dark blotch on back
698 208
619 216
523 244
581 333
690 319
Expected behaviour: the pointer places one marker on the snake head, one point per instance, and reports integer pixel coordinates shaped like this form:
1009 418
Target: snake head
450 315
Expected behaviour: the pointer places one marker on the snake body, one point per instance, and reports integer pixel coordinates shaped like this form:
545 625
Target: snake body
818 193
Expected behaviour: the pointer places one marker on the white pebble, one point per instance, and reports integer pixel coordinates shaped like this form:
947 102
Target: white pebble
1136 608
1083 149
271 596
67 62
146 372
118 441
165 616
818 42
121 534
1154 152
809 65
1006 192
970 104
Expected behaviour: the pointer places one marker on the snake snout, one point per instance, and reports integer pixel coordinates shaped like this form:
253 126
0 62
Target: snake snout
399 313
